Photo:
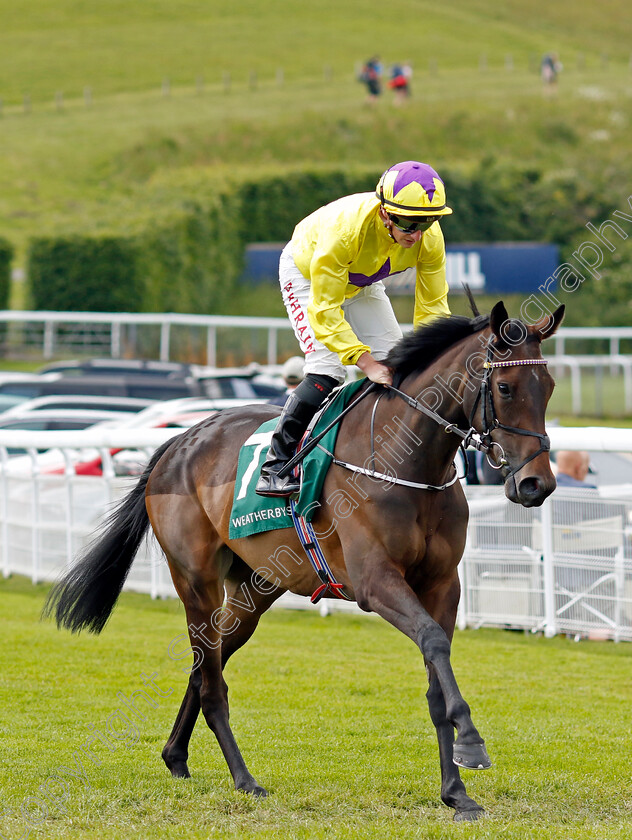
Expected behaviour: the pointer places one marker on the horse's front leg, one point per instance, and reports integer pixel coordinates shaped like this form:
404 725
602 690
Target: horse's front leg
453 791
442 603
382 588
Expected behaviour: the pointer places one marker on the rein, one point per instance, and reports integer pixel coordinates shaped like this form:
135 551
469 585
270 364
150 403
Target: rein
313 443
482 442
417 485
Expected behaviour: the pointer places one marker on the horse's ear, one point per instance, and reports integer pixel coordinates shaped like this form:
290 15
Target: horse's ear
497 318
547 326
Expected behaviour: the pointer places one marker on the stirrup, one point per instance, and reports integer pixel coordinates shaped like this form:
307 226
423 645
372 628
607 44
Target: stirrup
269 484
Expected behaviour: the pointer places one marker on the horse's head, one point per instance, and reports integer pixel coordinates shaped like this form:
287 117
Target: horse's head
511 406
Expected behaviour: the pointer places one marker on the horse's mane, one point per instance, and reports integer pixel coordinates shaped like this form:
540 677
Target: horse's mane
418 349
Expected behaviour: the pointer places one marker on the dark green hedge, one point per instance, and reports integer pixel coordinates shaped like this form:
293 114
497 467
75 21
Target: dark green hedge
273 205
177 256
492 203
497 203
179 245
190 262
6 257
79 273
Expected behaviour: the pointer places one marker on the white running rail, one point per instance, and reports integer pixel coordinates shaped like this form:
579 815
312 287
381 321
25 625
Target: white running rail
563 568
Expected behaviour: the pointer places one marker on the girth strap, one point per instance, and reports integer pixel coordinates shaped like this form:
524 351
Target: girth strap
309 541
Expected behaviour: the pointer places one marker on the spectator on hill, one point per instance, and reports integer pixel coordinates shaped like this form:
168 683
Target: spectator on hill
331 275
371 76
292 373
400 82
550 68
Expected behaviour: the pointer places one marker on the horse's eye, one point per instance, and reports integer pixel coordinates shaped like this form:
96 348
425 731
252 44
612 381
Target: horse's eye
504 390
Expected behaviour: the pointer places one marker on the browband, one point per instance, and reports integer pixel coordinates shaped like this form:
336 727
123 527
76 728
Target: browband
514 362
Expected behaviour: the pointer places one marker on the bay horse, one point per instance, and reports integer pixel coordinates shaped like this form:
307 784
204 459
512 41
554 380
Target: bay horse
393 542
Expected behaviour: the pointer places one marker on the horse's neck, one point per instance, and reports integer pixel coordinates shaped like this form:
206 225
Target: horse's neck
445 388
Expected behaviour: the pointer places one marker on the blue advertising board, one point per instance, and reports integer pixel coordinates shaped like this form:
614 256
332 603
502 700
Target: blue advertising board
500 267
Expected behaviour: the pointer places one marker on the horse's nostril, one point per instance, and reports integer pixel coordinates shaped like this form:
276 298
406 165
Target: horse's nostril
529 488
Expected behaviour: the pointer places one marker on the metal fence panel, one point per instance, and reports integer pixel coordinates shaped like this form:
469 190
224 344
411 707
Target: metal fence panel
563 568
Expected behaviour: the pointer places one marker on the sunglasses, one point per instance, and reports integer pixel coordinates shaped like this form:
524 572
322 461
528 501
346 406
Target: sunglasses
407 225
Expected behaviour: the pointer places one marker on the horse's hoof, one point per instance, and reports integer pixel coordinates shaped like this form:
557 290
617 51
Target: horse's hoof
178 769
253 789
471 756
469 816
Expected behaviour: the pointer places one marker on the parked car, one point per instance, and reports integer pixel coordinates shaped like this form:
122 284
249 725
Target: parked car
116 367
78 402
89 461
54 420
15 389
171 414
53 384
133 461
185 405
58 419
240 383
252 382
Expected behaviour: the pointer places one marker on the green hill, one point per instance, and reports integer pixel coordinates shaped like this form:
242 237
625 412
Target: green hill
98 97
117 46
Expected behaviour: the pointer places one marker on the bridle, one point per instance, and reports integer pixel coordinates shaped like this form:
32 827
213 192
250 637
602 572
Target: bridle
482 441
490 421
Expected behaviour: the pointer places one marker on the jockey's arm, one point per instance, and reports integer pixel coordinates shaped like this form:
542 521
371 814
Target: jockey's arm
431 288
329 279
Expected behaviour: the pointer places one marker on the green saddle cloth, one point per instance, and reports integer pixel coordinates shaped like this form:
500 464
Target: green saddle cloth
253 514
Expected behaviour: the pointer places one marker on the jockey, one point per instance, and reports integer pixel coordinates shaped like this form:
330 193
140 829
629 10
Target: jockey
331 276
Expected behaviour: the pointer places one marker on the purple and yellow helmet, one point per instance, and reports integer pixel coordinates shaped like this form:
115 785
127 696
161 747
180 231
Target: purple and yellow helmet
412 188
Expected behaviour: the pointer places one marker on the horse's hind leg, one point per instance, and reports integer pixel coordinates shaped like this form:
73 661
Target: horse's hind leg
176 751
198 568
204 614
248 597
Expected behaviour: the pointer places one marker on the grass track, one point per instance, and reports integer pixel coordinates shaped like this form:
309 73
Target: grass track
334 724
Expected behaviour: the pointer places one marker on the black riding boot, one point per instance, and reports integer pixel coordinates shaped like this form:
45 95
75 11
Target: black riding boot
299 409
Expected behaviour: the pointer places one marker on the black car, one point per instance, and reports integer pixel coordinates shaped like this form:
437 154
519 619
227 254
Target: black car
118 367
14 391
230 384
216 383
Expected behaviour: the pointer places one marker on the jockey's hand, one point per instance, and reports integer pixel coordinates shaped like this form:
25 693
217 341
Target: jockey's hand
374 370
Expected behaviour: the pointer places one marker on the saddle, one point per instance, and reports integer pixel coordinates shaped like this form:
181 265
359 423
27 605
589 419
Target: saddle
254 514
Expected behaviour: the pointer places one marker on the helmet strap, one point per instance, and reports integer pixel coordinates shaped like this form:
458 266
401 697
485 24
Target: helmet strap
387 222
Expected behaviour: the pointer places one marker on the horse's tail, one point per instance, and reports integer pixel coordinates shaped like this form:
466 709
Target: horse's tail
84 597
